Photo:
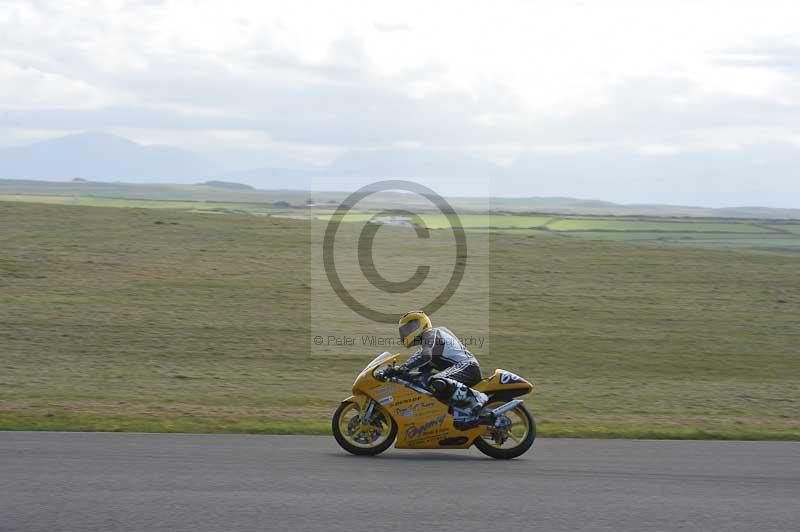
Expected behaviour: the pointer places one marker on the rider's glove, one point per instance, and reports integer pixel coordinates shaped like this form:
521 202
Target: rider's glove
390 372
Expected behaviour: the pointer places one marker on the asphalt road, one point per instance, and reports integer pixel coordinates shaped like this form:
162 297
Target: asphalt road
151 482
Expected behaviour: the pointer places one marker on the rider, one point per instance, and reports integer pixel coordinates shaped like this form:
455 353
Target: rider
441 350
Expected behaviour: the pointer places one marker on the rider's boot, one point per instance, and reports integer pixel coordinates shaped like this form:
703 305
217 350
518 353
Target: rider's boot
467 407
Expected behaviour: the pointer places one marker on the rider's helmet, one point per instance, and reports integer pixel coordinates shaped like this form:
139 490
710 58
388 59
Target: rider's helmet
412 325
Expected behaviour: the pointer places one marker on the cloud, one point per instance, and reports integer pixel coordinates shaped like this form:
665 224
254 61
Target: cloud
326 78
389 27
778 56
31 88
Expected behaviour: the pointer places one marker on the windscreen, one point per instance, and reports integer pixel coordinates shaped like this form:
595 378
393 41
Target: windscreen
378 359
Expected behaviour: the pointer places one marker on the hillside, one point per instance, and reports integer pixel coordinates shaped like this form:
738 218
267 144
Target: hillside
115 163
212 191
226 185
100 156
124 319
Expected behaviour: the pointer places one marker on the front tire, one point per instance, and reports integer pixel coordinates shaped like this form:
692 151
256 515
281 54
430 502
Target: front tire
350 435
520 443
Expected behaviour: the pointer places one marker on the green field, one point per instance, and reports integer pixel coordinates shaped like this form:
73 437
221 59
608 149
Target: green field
599 224
158 320
788 228
383 200
752 234
87 201
440 221
471 221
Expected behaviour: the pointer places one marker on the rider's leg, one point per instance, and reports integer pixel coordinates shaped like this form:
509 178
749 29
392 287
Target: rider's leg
450 386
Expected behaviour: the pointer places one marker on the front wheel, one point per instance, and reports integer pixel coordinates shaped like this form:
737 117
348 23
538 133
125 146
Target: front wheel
363 439
511 441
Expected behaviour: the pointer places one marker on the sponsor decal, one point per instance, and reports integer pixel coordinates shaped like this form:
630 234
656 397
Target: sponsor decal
418 431
509 377
384 394
411 410
432 439
412 399
383 389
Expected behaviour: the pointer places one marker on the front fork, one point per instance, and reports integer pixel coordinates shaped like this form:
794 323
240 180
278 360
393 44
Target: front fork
369 410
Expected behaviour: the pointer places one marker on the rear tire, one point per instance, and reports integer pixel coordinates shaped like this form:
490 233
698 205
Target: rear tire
506 454
345 443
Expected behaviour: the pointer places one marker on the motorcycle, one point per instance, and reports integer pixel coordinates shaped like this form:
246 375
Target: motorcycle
382 410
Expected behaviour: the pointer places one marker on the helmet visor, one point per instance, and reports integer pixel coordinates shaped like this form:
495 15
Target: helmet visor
408 328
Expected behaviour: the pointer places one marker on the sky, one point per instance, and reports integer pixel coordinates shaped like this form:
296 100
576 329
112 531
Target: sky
693 102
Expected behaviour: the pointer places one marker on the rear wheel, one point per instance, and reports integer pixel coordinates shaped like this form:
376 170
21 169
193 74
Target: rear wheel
511 441
363 439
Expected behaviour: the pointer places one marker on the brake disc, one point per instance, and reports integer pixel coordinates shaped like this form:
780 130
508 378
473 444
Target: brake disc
500 430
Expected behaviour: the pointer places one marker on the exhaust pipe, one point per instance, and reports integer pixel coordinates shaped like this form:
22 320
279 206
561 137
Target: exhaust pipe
500 410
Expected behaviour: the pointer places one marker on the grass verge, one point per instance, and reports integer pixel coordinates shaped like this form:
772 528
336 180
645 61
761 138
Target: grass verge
145 320
215 425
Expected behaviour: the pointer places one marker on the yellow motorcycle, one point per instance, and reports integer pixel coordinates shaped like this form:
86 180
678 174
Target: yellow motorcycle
381 411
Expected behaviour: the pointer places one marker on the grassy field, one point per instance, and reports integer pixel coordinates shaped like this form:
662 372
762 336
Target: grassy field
793 228
440 221
305 190
628 225
717 233
157 320
201 206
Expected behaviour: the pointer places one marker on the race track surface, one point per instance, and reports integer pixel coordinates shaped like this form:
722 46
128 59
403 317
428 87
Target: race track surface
156 482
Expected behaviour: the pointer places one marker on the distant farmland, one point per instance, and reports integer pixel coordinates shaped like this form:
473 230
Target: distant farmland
763 234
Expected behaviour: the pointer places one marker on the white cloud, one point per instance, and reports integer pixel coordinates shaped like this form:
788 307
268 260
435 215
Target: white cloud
30 88
312 79
658 149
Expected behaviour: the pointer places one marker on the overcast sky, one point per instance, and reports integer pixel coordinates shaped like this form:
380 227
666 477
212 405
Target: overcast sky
654 91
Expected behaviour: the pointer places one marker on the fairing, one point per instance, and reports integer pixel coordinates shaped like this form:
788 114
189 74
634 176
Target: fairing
423 421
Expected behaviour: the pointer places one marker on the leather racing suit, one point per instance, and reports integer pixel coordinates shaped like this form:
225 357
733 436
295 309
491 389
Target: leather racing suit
457 370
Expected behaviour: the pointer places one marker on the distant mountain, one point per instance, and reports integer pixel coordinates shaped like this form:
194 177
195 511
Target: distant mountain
765 174
354 169
101 156
227 185
270 178
399 164
756 174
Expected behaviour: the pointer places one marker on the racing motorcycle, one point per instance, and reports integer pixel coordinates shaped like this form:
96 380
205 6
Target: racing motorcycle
382 410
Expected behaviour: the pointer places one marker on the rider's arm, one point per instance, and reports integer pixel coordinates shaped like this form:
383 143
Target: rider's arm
423 355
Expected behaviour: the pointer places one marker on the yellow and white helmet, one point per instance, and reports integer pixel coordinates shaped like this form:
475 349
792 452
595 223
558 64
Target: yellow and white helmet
412 325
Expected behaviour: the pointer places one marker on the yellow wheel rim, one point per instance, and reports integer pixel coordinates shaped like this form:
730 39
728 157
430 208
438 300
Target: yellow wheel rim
364 435
517 432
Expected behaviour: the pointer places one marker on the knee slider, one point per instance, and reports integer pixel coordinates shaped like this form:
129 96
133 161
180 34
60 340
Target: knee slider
441 387
461 393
